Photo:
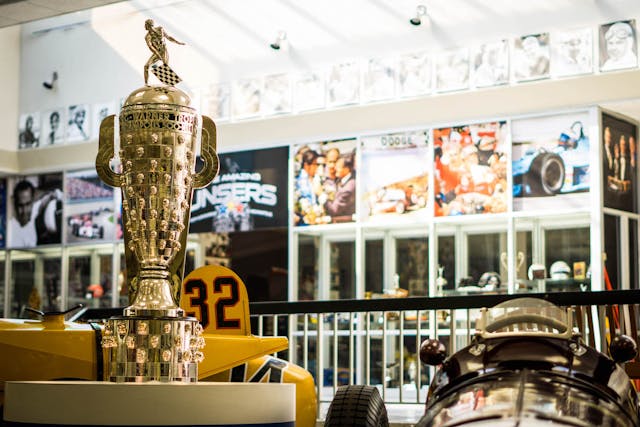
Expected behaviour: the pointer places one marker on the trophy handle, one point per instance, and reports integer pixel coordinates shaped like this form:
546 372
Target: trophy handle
105 153
208 154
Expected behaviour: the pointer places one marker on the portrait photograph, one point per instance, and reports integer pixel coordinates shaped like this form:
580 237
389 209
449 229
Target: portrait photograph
53 127
379 79
216 101
101 111
343 84
34 210
414 74
531 57
309 91
324 182
551 159
490 64
470 169
246 97
395 177
29 131
618 45
572 52
452 70
620 160
276 96
78 123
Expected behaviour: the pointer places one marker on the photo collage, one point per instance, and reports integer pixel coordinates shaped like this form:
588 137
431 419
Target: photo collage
609 47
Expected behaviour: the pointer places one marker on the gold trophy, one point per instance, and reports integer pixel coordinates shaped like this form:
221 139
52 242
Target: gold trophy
158 134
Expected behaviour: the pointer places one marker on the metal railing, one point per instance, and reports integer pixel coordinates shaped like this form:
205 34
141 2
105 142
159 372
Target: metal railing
375 342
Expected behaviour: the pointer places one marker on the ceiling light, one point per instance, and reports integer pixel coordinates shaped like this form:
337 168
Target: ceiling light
421 11
281 38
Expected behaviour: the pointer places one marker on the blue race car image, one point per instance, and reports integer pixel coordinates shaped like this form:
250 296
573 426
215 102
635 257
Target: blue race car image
561 169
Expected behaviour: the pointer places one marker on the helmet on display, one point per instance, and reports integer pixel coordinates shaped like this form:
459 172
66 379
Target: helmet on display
537 271
560 270
489 279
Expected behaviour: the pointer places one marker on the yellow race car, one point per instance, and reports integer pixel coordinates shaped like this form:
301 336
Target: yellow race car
54 349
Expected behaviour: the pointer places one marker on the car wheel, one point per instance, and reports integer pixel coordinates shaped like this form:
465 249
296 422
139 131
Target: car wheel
546 176
357 406
400 208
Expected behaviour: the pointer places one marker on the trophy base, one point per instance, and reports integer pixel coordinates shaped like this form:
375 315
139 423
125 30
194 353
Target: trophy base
142 349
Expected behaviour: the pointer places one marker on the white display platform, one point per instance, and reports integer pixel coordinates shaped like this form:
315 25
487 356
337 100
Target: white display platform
149 404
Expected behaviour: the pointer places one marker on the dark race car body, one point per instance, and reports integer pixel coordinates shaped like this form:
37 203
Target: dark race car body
527 367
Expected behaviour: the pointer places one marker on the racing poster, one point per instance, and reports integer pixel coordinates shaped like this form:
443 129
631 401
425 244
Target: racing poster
395 176
470 175
324 188
249 192
551 162
3 215
90 208
35 210
620 161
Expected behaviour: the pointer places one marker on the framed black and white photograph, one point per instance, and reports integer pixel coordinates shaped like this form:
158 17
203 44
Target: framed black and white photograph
216 101
309 91
245 97
29 131
452 70
100 112
78 123
35 210
53 127
572 52
343 84
379 79
531 57
490 64
276 96
618 45
415 74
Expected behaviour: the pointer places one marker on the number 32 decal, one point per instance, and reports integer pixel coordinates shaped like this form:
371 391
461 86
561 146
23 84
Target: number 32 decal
200 301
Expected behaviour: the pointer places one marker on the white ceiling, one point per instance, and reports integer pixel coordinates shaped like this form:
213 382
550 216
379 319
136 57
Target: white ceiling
13 12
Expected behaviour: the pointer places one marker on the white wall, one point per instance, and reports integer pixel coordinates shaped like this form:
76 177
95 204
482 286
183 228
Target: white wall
10 78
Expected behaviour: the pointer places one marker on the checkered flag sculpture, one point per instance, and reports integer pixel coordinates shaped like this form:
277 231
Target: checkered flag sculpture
165 74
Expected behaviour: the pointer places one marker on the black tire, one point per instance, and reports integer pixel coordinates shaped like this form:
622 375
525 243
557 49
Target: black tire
357 406
546 176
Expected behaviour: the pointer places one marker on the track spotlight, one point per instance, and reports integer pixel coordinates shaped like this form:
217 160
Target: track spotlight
421 11
279 41
51 85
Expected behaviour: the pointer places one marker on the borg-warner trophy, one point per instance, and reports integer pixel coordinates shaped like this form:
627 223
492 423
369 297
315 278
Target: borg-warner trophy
153 340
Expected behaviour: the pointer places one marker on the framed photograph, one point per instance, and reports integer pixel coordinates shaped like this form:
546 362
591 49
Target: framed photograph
414 74
395 177
29 131
325 182
53 127
309 91
216 101
551 157
246 96
100 112
470 169
89 208
78 123
452 70
379 79
35 210
490 64
343 84
249 193
572 52
618 45
531 57
276 96
620 160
